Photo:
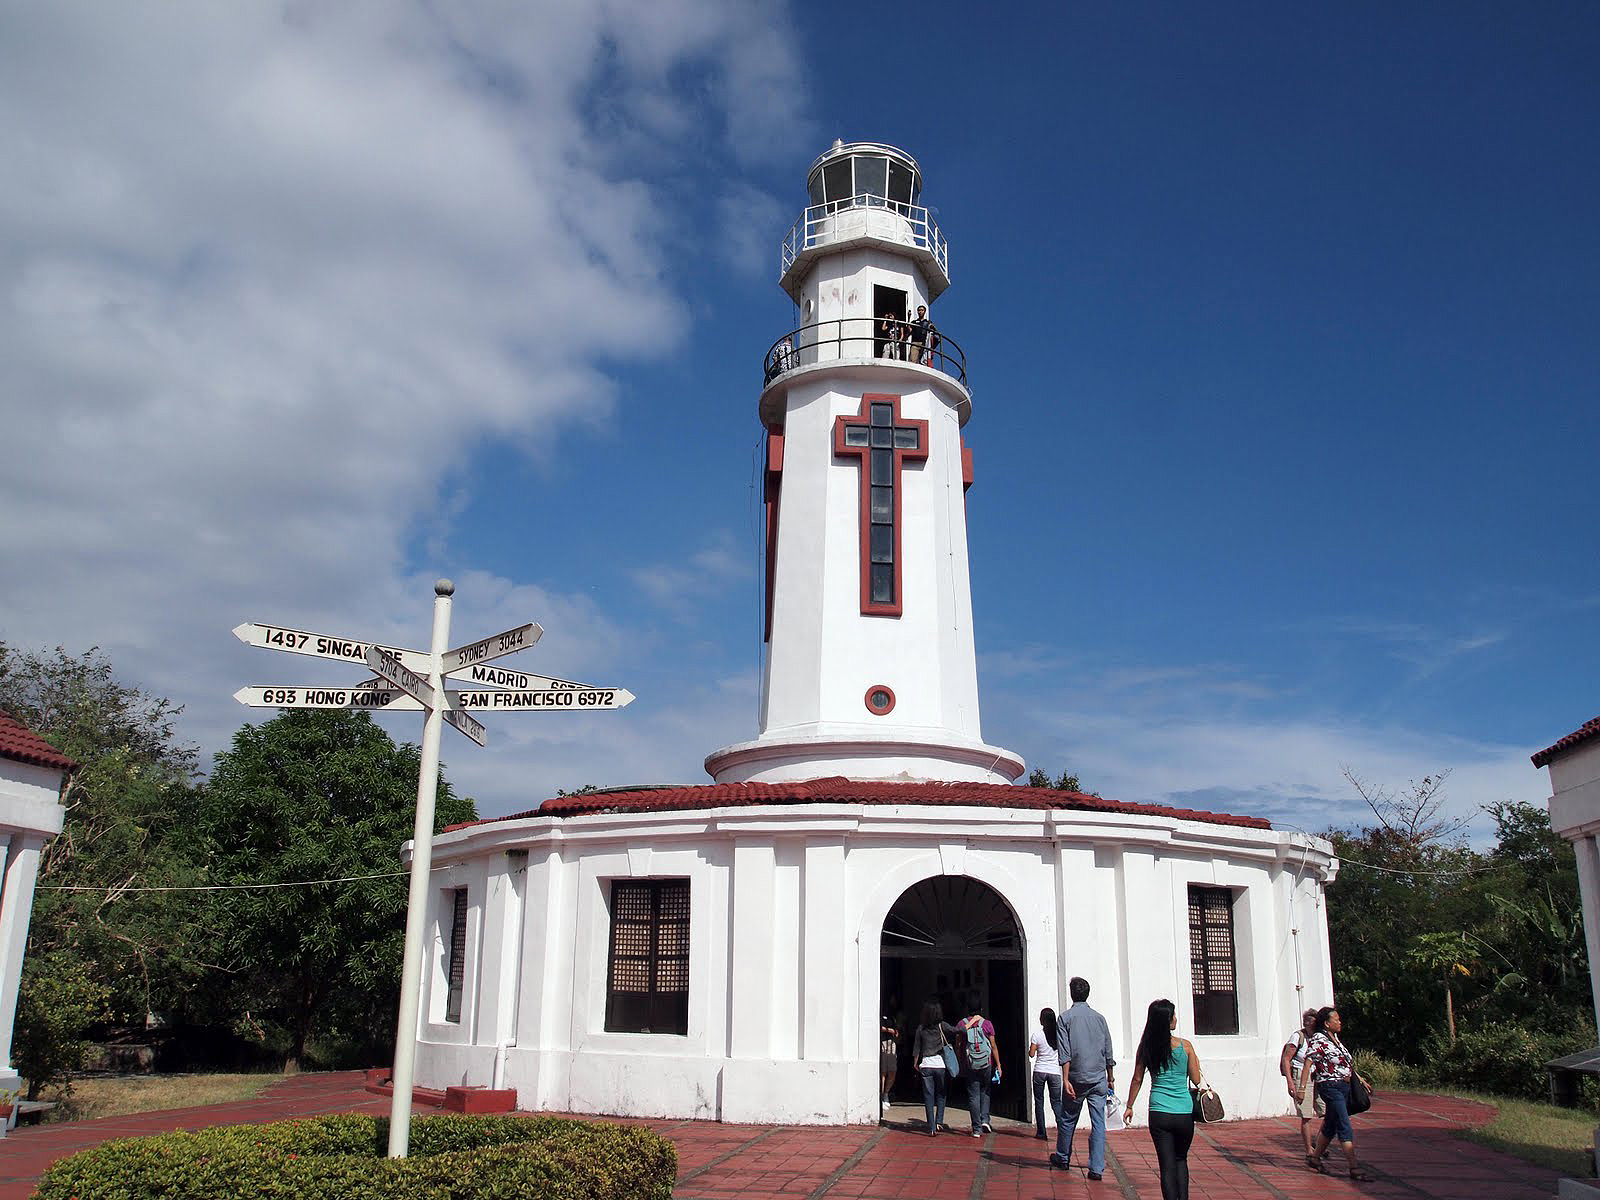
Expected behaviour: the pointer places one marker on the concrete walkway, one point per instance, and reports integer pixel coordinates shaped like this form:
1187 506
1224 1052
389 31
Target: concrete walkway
1405 1140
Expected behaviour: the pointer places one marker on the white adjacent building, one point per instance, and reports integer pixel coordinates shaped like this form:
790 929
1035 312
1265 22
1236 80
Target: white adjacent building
32 773
726 951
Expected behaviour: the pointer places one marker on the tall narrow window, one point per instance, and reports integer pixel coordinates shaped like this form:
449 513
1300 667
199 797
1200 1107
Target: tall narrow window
1211 960
647 982
458 957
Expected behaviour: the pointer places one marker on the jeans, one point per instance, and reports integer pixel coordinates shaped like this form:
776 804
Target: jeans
1335 1095
978 1089
1094 1095
1040 1083
1171 1134
935 1081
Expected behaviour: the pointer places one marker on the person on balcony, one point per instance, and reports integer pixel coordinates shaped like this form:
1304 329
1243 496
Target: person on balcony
924 337
892 344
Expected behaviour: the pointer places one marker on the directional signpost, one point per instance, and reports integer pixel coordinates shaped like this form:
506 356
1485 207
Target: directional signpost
410 681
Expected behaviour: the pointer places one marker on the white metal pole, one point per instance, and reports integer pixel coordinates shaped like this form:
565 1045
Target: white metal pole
405 1040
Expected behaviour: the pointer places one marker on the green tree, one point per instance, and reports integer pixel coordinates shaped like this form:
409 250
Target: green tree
1065 782
1404 878
1445 955
1535 926
58 1001
126 806
313 795
1415 910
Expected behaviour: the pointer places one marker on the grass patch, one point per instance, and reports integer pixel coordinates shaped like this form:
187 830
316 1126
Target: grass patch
1553 1137
123 1096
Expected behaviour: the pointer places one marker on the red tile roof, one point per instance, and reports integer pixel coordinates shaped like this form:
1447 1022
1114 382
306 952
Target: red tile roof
1591 730
838 790
20 743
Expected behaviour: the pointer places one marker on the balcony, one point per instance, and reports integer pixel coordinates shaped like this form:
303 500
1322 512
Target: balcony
861 219
861 340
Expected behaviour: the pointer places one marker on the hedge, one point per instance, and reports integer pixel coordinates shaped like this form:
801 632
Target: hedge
343 1158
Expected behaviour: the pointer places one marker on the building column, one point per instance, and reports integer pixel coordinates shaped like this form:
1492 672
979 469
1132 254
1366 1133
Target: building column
1588 854
750 1022
825 1018
16 904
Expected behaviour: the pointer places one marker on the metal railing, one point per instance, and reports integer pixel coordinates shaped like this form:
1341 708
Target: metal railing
859 339
907 224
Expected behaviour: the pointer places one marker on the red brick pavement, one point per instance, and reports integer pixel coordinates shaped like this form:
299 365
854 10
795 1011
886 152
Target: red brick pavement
1406 1140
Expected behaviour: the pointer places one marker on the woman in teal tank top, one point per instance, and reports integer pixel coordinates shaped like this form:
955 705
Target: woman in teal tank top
1172 1065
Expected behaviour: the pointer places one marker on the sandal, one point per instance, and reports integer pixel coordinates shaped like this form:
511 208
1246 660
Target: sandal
1361 1175
1313 1163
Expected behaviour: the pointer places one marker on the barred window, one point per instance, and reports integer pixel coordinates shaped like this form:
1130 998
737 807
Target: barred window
1211 965
647 981
458 957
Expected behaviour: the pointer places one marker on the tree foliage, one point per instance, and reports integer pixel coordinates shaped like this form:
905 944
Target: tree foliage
313 795
1427 930
307 796
1064 782
127 805
58 1001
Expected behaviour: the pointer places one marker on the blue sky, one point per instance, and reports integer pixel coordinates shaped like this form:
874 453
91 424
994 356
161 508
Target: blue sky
1279 320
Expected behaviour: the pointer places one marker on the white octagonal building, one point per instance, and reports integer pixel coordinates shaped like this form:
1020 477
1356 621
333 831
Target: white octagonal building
727 951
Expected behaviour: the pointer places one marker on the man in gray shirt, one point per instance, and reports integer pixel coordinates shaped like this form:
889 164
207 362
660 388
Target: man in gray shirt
1086 1068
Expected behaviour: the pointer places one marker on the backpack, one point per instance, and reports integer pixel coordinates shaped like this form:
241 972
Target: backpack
977 1047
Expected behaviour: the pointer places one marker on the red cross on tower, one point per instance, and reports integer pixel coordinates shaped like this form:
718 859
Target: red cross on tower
883 442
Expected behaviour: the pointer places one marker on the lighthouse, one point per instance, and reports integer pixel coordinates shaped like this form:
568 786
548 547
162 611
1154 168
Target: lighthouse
870 667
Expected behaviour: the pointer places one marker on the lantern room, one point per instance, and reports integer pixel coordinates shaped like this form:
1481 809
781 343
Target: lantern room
865 195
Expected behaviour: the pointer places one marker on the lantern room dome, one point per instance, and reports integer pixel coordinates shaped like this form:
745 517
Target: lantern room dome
861 169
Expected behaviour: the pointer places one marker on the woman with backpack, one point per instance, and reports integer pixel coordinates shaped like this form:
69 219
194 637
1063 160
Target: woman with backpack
933 1035
980 1063
1042 1048
1291 1062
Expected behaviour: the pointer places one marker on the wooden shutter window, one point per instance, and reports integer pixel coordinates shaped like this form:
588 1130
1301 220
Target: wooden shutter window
647 979
458 958
1211 960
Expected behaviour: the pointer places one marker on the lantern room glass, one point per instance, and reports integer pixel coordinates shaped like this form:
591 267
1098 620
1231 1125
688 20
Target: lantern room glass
856 177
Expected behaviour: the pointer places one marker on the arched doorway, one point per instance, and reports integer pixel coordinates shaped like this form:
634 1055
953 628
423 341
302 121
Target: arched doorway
947 938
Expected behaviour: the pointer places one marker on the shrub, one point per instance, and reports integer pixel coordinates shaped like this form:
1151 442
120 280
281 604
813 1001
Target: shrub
1500 1057
342 1158
1382 1073
59 999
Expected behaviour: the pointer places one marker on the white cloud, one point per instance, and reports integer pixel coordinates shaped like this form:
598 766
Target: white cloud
1194 738
711 569
269 271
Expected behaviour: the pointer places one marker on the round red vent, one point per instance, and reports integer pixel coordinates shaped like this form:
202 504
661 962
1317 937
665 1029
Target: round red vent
880 700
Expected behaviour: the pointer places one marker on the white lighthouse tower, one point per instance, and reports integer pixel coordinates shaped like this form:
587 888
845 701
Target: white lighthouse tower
870 670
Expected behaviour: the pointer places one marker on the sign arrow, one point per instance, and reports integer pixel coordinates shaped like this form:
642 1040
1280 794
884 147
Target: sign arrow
455 717
320 645
546 700
373 698
501 677
396 672
490 648
369 697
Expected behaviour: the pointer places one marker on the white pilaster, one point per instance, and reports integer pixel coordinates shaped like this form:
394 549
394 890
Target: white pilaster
1589 890
825 1027
16 906
750 1029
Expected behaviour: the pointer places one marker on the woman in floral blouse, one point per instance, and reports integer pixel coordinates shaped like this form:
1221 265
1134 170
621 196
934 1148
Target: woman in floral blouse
1330 1065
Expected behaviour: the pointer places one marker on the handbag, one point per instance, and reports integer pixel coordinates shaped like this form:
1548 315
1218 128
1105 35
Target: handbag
1360 1097
1207 1104
948 1053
